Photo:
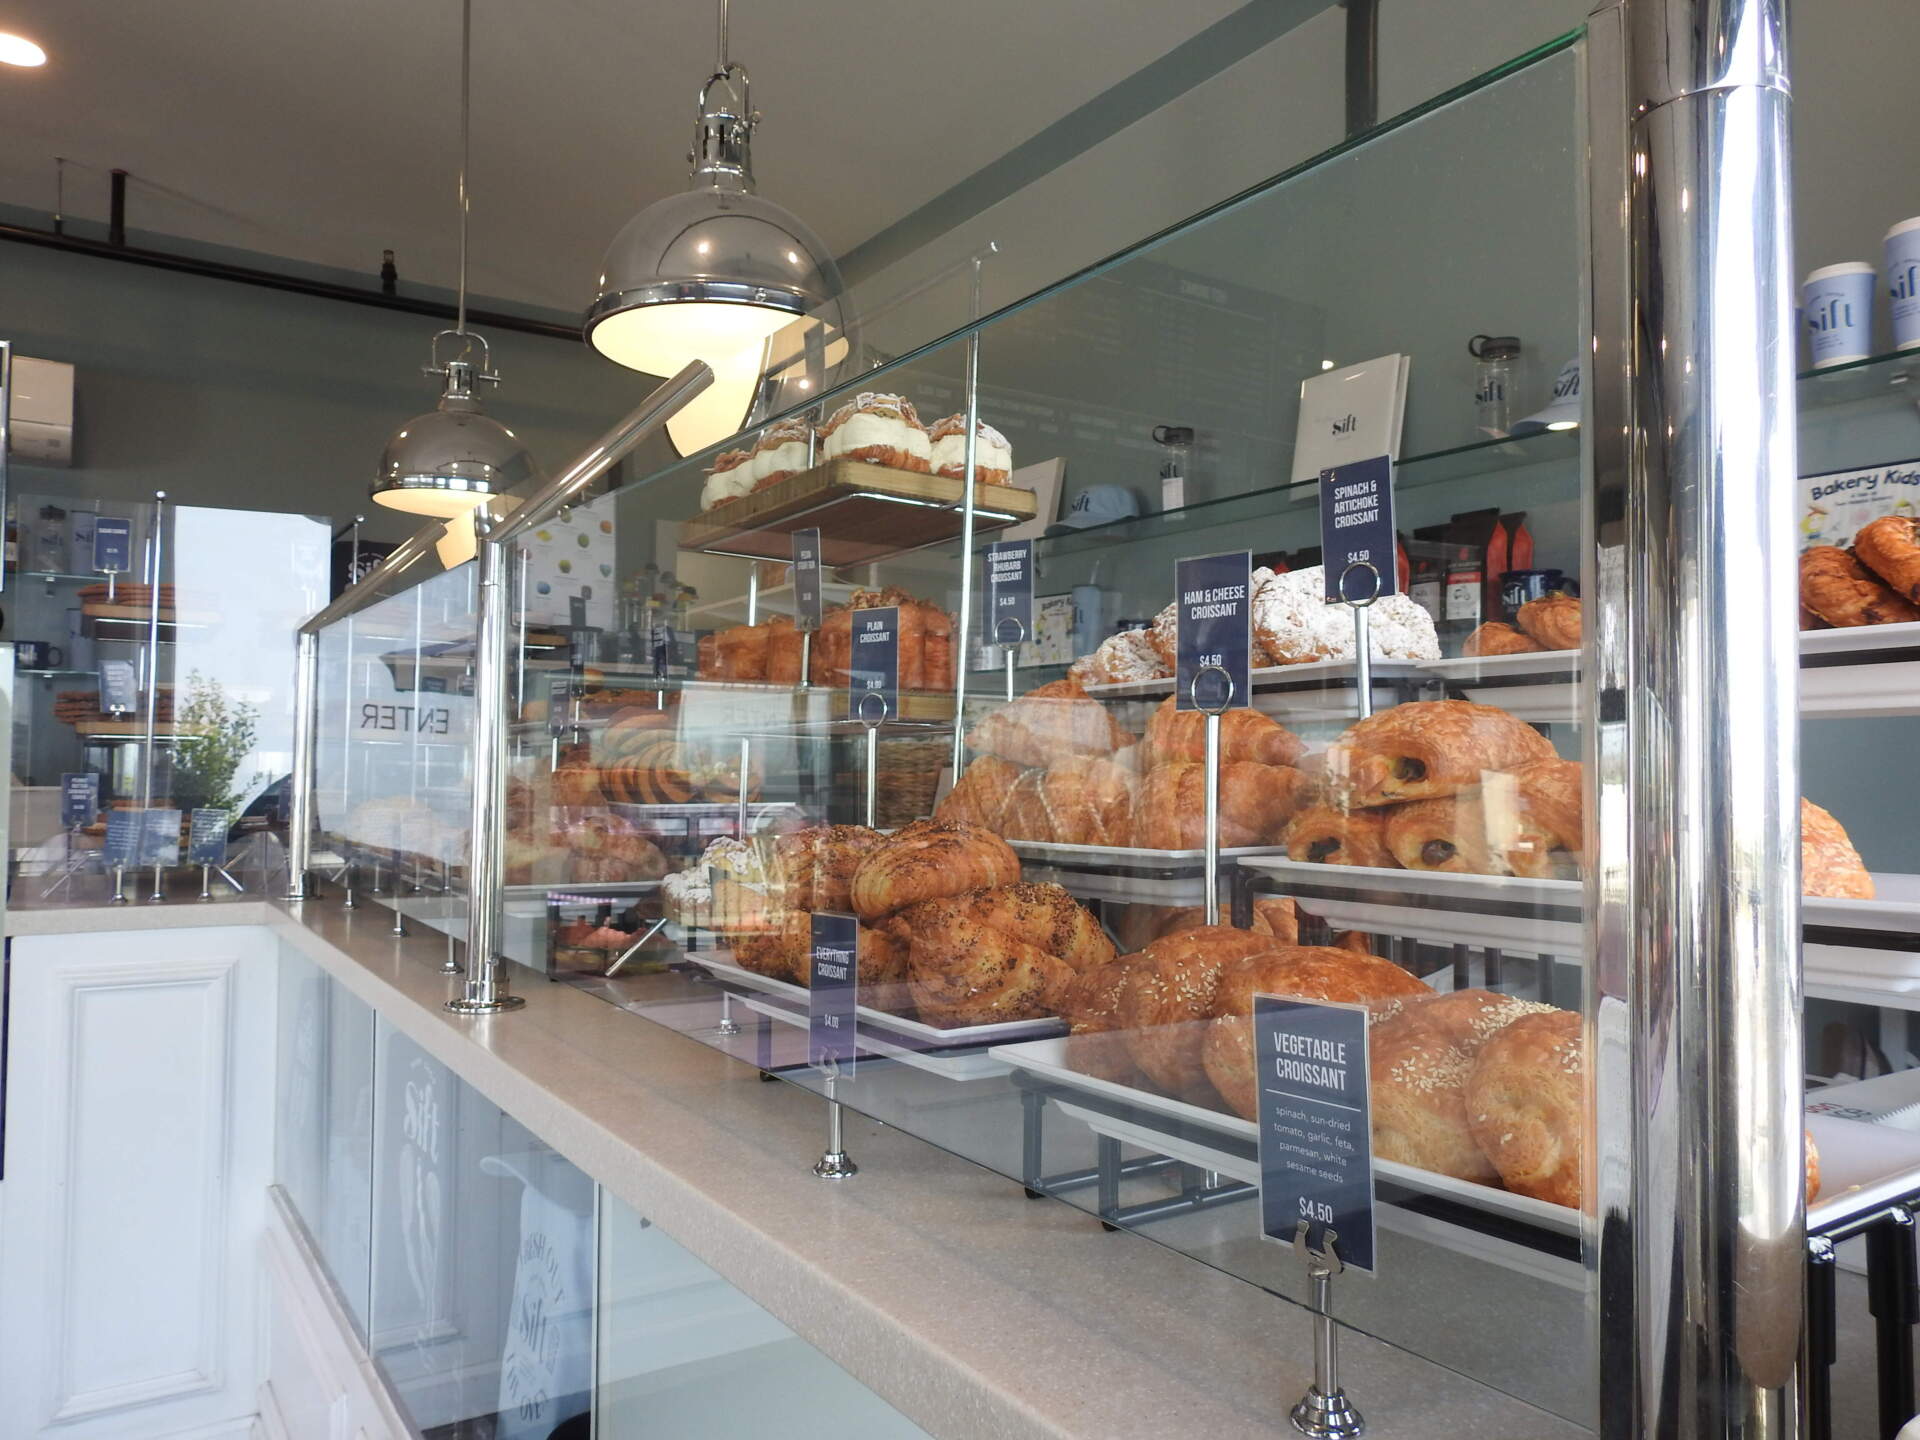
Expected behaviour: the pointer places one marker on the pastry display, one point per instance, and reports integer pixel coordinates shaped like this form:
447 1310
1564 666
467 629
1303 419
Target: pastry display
992 455
740 653
1427 749
1526 1104
1294 622
771 650
1126 656
785 650
1007 953
1088 800
1310 972
1256 802
1536 818
1448 833
929 860
1326 835
1057 721
781 452
1168 998
1245 734
814 867
1888 547
1552 622
1096 1041
879 429
1498 638
729 479
1829 865
1421 1060
980 793
1841 591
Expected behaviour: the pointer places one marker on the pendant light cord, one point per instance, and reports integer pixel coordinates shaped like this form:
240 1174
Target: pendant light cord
721 68
466 72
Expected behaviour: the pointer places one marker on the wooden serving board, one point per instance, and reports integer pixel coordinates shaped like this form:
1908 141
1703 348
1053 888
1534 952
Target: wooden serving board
863 512
127 729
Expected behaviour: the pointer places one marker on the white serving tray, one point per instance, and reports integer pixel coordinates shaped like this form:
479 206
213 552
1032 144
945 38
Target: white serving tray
964 1065
1438 906
1895 906
1861 639
1464 669
1862 1166
1005 1030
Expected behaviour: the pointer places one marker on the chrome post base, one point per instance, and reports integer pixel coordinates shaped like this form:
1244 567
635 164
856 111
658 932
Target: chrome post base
463 1006
835 1165
119 886
1327 1417
728 1025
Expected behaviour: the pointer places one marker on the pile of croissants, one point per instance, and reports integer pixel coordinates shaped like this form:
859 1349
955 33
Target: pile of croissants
771 651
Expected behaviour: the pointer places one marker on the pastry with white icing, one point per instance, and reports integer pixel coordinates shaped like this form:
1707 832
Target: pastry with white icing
992 455
880 430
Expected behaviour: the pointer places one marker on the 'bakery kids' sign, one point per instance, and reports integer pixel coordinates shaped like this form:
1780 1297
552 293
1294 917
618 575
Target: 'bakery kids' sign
1316 1124
1834 506
873 690
1213 630
833 974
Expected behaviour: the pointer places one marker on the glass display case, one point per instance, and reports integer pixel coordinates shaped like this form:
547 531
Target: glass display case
1530 810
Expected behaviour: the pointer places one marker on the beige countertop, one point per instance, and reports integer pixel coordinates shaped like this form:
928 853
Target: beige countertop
930 1279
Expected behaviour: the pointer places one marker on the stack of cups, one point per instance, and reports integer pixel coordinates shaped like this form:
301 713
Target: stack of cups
1903 282
1837 302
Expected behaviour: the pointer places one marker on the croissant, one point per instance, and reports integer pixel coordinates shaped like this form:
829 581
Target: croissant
984 958
1534 818
1887 547
1256 801
926 860
1245 734
1273 915
1325 835
1495 638
741 652
783 651
830 661
816 865
1448 833
1829 865
980 794
1055 722
783 950
1552 620
1843 592
1310 972
1168 995
1096 1044
1023 814
1425 749
1420 1061
1040 914
1527 1105
1088 801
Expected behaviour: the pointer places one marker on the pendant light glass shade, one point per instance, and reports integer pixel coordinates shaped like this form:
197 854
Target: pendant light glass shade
713 274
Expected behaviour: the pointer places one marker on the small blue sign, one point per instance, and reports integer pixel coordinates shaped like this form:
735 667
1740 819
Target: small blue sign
79 800
112 545
1010 592
160 838
1357 547
560 693
1214 630
124 829
1316 1124
873 691
119 687
207 836
833 981
807 606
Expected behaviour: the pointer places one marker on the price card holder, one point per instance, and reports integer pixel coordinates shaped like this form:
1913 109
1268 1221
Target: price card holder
79 800
873 692
1214 631
808 603
112 544
122 848
1316 1168
560 692
1358 545
832 1033
1009 607
207 836
119 687
160 838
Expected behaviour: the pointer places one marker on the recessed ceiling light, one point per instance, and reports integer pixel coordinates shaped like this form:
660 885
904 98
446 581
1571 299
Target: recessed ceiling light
18 50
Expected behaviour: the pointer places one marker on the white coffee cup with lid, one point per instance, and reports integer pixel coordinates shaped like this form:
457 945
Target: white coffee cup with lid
1837 302
1902 274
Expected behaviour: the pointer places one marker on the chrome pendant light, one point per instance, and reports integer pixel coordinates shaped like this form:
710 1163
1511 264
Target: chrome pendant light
714 273
454 457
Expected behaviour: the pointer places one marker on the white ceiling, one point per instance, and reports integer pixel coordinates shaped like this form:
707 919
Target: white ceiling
325 130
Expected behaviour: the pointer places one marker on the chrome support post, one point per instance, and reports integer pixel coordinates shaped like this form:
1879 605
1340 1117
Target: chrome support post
1211 839
728 1025
483 991
873 771
119 886
156 545
206 882
1324 1412
836 1164
306 687
159 894
960 651
1692 964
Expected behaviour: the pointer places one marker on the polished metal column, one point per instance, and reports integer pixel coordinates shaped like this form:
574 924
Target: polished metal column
306 691
1695 1179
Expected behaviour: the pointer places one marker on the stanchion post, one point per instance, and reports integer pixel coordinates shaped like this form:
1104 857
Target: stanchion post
836 1164
1212 834
1362 639
1324 1412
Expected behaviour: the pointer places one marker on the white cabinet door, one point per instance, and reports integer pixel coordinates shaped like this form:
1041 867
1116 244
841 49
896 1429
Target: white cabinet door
138 1151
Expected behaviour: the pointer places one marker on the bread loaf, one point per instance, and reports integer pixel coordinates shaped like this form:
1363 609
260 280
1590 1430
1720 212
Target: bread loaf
1527 1105
1169 994
815 866
927 860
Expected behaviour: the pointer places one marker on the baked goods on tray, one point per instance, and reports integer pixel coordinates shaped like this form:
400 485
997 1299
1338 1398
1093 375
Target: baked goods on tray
1527 1105
880 429
1426 749
1535 818
1123 657
1256 801
1168 997
1890 547
1088 800
1295 624
729 479
815 866
1096 1043
1311 972
1448 833
1055 722
928 860
1829 865
1328 835
781 452
1552 620
994 955
992 455
1245 734
1498 638
1843 592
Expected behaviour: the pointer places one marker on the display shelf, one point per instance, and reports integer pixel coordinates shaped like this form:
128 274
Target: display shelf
864 513
773 600
121 731
1878 377
1435 467
47 674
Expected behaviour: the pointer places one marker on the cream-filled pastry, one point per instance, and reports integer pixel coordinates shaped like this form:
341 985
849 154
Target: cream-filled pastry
992 455
881 430
730 478
782 451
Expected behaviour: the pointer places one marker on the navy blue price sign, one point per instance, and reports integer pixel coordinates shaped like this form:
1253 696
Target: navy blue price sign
1316 1135
873 691
79 800
1010 592
1214 630
124 829
119 687
207 836
833 981
560 692
160 838
806 579
577 612
1356 530
112 544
